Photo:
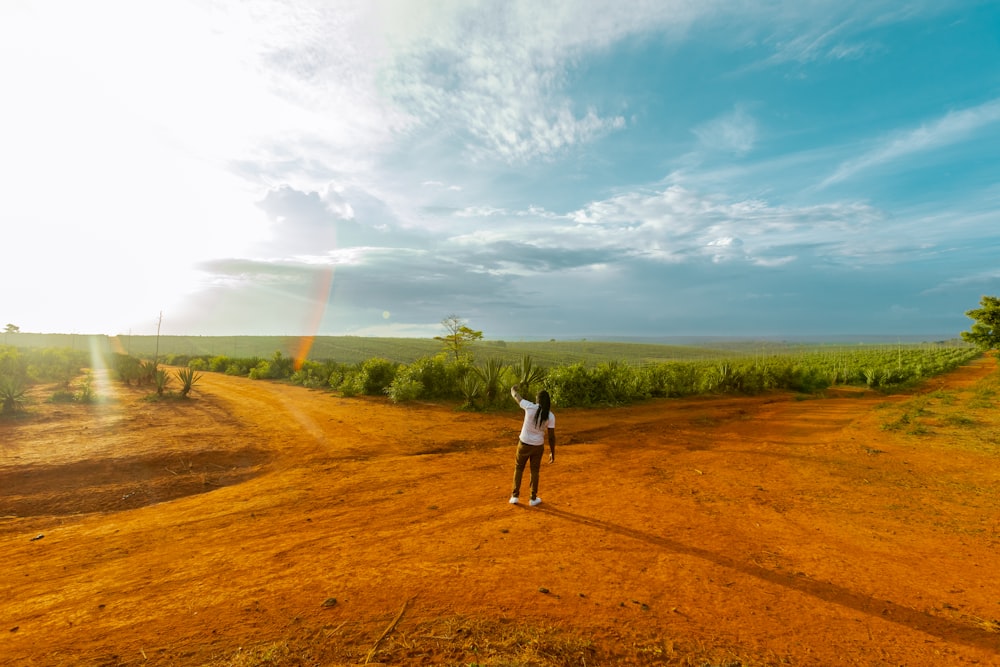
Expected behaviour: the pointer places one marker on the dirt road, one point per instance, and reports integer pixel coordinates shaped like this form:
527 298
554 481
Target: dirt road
259 523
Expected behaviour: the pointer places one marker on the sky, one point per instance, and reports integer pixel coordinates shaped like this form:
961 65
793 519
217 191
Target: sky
559 169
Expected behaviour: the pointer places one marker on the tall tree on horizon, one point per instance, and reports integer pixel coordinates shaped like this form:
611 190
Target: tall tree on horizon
458 335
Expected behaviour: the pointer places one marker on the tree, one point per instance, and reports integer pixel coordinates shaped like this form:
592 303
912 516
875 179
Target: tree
12 328
458 335
985 332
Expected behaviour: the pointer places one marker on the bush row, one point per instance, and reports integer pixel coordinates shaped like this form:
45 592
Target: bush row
22 367
485 384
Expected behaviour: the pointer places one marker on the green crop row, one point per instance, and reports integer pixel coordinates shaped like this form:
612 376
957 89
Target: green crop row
485 383
481 377
356 349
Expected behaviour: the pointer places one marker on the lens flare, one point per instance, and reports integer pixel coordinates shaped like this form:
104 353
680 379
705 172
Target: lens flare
321 293
99 370
116 345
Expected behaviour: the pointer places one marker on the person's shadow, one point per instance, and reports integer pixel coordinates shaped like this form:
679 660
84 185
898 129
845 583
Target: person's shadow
946 629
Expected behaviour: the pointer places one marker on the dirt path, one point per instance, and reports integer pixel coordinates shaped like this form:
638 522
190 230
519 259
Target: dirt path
858 530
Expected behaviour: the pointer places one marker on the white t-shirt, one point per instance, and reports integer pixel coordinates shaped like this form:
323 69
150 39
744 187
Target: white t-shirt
530 433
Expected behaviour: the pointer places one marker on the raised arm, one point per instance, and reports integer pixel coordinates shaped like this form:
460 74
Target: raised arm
515 395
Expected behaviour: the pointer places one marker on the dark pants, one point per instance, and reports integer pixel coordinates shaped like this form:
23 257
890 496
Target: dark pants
527 454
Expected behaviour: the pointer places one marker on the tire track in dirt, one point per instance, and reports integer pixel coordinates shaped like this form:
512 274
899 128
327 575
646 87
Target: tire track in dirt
758 525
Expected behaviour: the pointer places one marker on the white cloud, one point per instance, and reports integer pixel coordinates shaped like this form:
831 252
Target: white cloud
951 128
498 72
989 280
677 224
806 47
480 212
734 132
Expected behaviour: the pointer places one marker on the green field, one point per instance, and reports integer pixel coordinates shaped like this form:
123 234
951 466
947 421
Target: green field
575 373
355 349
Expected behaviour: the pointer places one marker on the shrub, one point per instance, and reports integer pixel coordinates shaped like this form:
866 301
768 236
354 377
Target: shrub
437 375
402 390
54 365
313 374
127 369
571 386
280 367
808 379
351 385
62 396
615 383
337 375
262 371
178 359
86 392
672 379
375 375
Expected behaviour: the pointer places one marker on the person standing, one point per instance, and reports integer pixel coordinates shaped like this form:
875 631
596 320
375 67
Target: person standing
539 420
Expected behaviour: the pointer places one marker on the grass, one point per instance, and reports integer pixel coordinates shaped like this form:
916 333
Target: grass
959 420
460 640
945 413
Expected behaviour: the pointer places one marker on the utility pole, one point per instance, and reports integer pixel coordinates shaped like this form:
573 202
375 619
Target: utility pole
156 354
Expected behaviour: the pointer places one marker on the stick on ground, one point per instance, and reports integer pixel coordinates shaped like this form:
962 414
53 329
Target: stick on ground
388 630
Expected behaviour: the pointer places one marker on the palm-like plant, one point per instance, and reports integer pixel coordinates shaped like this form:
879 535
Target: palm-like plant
188 378
471 387
528 374
12 392
162 379
490 374
148 372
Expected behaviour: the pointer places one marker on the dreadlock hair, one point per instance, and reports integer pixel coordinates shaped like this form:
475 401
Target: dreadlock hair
544 403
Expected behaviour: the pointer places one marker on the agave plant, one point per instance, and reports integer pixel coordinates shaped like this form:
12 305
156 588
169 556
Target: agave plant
471 387
12 392
528 374
188 377
148 372
162 379
490 375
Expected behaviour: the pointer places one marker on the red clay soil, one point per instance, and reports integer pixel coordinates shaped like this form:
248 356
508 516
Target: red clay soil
257 523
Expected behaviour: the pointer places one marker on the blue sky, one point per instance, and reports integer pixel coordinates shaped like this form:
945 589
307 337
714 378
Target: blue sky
541 169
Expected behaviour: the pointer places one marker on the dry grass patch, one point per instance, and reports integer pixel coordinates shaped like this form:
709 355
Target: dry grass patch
473 642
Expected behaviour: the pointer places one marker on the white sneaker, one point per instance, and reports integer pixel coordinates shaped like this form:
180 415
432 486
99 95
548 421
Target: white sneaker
513 500
535 501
